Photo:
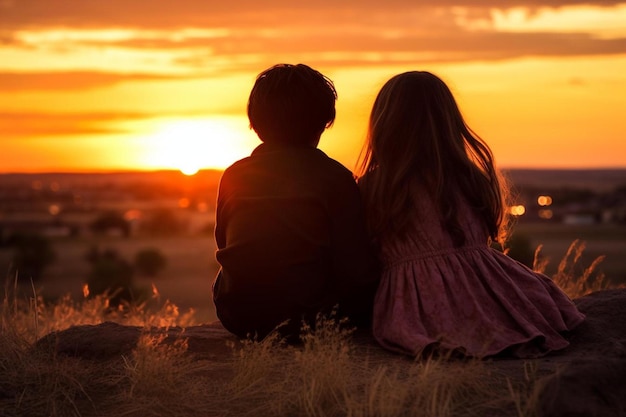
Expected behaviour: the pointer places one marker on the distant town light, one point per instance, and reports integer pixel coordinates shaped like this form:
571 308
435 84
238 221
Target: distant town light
544 200
184 202
36 185
54 209
517 210
54 186
546 214
132 214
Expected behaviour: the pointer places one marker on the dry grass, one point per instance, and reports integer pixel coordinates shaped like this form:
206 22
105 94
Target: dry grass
572 276
326 377
323 376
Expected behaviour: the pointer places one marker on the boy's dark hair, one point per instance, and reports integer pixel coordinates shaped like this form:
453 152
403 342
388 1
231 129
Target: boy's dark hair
291 104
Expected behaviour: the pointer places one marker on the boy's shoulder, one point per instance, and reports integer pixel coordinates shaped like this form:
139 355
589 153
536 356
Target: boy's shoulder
333 163
295 158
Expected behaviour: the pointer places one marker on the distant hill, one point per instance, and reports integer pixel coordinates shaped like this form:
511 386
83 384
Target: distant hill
73 179
592 179
81 191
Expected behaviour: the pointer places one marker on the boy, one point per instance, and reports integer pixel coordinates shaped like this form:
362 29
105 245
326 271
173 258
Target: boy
290 230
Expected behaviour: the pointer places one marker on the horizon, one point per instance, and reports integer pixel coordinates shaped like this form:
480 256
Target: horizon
209 169
178 171
160 85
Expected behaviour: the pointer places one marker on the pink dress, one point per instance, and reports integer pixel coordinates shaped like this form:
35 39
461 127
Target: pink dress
471 299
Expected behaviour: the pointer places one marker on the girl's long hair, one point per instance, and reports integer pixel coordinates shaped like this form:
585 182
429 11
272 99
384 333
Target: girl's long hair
417 135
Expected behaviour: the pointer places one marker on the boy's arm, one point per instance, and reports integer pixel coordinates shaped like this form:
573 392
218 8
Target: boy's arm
220 234
355 263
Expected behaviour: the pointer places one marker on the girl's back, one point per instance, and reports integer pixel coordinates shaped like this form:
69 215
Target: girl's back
426 233
470 298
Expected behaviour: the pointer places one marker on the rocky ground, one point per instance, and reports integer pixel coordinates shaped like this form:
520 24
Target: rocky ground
586 379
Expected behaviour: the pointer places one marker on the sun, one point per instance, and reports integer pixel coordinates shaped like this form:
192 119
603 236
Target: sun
193 144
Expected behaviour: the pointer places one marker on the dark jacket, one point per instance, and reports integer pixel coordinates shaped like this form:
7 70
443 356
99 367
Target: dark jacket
291 242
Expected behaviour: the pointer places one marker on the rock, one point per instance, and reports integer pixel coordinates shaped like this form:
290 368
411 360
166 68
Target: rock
593 380
592 387
110 340
586 379
603 333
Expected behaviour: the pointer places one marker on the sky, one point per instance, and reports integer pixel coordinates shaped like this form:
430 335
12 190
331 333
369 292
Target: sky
150 84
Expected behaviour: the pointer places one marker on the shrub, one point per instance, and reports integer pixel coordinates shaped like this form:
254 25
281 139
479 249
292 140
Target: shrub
32 254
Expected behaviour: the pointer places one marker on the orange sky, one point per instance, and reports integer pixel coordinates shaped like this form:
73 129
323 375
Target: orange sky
150 84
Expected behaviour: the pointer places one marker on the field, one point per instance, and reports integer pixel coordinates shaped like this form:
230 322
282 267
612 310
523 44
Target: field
607 240
185 281
191 266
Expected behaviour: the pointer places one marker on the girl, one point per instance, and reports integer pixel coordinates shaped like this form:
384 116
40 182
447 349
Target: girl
434 202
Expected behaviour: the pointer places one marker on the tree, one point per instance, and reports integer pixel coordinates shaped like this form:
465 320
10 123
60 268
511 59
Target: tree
110 221
149 261
162 222
519 248
112 274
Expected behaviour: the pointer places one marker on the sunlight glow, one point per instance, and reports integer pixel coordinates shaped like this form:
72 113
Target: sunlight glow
193 144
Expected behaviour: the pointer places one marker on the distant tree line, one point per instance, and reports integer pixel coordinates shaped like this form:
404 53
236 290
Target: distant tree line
161 222
112 274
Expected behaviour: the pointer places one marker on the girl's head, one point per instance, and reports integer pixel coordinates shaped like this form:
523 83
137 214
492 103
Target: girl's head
416 125
418 135
291 104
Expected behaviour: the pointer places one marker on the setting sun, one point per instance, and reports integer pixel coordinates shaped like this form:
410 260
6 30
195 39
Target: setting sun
193 144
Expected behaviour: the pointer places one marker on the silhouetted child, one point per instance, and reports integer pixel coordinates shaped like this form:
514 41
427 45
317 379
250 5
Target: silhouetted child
434 200
290 228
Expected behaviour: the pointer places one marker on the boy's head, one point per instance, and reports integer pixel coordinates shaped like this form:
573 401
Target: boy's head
291 104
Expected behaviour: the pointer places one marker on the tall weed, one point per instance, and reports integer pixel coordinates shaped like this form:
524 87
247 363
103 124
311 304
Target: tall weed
572 276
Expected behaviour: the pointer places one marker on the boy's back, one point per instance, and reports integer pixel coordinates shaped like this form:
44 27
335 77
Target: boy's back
291 241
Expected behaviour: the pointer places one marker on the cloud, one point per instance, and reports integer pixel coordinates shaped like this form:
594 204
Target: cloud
199 36
236 13
68 80
16 124
54 63
61 45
